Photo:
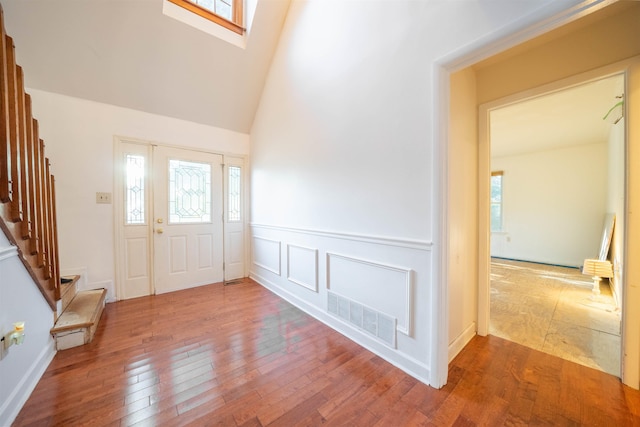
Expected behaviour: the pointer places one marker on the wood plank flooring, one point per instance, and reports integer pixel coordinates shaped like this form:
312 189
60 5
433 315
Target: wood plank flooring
240 356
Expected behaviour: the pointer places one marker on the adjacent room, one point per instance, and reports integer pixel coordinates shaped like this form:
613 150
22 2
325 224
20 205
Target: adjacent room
557 199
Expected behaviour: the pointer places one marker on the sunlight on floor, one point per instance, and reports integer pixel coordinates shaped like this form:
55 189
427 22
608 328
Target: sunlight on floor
551 309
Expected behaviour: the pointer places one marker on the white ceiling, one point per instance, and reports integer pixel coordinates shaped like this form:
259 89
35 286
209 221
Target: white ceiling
127 53
567 118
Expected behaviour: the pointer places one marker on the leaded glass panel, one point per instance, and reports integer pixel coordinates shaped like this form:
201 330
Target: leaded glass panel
234 214
135 193
189 192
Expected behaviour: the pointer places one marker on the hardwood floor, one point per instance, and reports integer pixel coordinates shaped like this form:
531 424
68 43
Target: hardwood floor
240 356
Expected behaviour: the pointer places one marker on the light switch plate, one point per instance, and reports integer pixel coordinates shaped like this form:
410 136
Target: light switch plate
103 198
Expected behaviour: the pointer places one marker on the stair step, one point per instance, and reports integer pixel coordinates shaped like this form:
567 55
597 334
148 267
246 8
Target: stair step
68 290
78 323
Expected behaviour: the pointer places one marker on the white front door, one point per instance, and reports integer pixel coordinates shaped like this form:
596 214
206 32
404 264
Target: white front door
187 223
169 226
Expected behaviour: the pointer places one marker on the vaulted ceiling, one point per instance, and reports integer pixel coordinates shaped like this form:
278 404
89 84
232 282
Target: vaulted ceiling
128 53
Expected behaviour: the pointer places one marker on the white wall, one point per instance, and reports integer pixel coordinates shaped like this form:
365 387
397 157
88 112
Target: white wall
342 154
615 203
79 138
463 211
554 203
23 365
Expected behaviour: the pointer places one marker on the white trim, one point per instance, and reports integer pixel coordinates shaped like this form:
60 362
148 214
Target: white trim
461 340
311 286
18 397
408 364
423 245
8 252
408 291
277 242
439 298
548 17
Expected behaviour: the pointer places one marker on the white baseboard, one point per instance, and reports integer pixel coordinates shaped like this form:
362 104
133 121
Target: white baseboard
461 340
406 363
11 408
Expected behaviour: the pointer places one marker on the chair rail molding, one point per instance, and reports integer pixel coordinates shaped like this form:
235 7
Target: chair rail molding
424 245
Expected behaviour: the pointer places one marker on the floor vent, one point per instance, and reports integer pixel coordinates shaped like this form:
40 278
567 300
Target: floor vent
233 282
371 321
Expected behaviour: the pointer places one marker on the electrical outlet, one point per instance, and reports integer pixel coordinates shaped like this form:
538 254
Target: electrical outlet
103 198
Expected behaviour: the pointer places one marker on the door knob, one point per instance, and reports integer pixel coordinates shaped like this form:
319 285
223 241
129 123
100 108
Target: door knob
160 230
159 220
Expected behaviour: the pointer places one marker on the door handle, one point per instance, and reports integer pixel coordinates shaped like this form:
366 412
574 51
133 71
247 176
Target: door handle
159 230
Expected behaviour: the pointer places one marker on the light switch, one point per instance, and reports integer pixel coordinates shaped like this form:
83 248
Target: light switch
103 198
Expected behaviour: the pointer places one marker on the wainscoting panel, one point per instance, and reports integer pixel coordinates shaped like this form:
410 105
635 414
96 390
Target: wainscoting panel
302 266
266 254
384 288
373 289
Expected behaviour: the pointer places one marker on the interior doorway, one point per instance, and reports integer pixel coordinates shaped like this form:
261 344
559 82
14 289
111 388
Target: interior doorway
504 68
560 157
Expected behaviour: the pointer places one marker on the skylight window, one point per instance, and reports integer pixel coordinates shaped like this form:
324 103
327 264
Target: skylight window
226 13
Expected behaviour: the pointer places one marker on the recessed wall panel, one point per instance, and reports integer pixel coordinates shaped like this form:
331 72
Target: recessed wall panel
385 288
302 266
266 254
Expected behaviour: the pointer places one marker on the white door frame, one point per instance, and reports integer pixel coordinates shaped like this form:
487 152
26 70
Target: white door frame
546 19
118 212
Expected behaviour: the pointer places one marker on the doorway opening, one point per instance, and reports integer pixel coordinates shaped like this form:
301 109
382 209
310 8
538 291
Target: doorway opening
558 168
466 81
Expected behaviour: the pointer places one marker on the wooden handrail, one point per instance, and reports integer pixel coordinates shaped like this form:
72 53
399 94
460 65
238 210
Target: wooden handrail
27 187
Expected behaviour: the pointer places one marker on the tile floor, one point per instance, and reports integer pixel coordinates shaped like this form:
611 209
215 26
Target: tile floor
551 309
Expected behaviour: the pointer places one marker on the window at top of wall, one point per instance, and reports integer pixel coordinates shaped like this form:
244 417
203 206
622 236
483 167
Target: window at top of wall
226 13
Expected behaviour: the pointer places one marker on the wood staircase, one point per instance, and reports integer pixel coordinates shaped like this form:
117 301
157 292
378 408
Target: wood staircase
28 206
27 188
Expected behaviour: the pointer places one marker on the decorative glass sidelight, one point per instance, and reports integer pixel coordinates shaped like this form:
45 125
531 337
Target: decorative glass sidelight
234 213
135 192
189 192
